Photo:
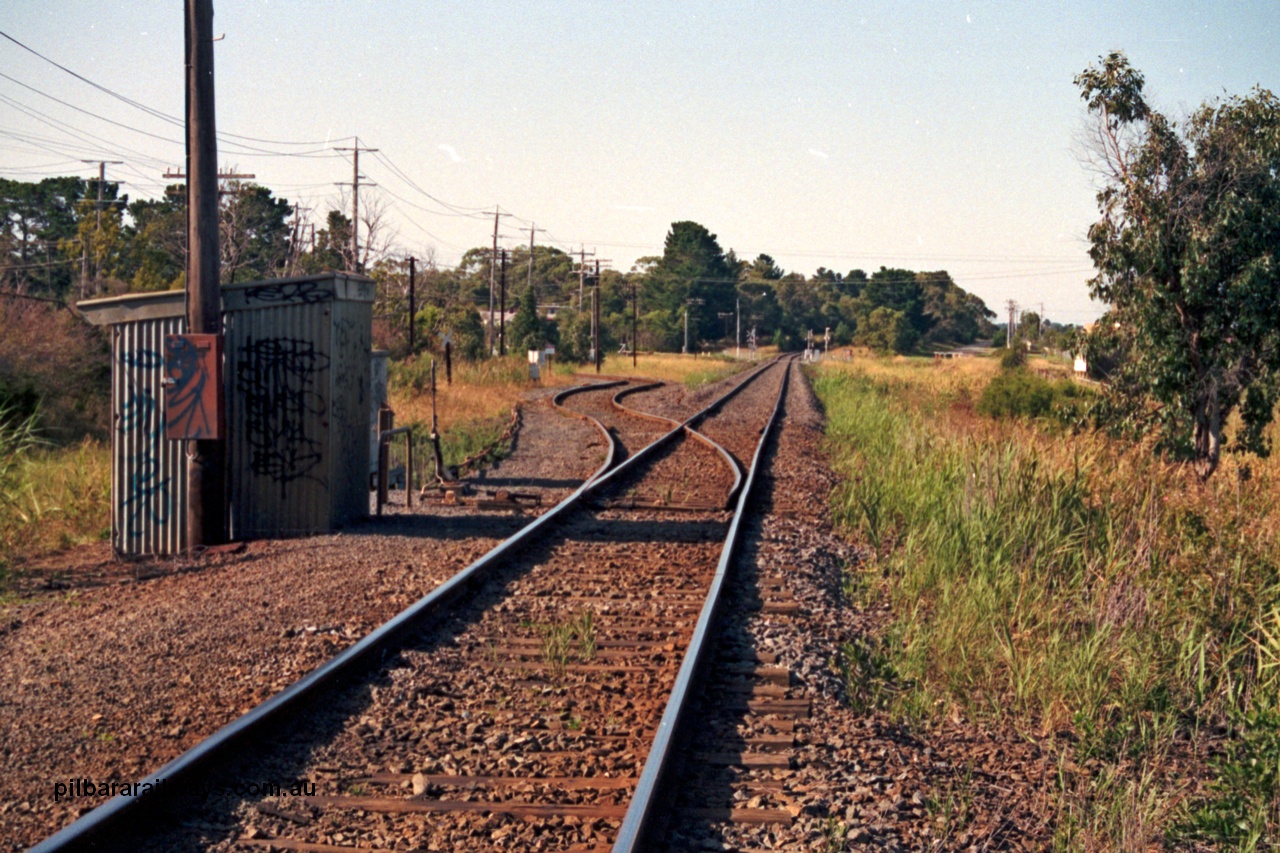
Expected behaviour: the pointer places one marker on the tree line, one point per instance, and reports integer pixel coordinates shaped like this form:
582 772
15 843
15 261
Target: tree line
59 241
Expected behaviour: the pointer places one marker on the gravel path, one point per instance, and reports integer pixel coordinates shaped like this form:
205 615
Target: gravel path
138 661
113 668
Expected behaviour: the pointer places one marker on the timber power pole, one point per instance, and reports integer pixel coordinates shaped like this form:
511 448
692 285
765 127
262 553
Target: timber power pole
84 256
582 273
355 200
493 262
412 303
102 180
206 458
532 229
595 319
502 309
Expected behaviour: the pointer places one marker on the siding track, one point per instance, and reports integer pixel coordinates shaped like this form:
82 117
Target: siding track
529 703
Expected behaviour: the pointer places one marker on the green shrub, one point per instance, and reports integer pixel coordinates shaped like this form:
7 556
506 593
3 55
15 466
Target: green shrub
1017 394
1013 358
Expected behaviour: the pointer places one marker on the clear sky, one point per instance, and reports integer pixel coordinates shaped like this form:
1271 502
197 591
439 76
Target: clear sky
927 135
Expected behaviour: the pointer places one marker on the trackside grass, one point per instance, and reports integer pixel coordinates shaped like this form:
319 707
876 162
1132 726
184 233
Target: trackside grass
50 497
1081 590
474 411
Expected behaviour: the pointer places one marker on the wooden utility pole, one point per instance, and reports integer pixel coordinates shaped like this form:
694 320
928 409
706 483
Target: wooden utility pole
493 263
102 180
635 321
84 252
532 229
355 201
206 460
412 304
582 273
595 318
502 309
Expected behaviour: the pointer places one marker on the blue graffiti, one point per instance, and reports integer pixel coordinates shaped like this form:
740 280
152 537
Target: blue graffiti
146 493
144 358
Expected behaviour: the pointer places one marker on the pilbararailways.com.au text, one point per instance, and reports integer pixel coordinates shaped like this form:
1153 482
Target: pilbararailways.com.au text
85 787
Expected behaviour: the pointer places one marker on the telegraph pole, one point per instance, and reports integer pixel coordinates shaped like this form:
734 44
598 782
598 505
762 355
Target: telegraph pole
102 179
502 309
1012 307
493 262
355 201
412 303
582 273
595 318
532 229
206 458
84 256
635 321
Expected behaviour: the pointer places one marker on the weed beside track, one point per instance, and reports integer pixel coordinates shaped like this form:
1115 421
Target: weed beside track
1085 592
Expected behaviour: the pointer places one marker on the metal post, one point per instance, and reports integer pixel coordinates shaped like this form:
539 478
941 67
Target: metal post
435 430
408 470
737 329
206 458
386 422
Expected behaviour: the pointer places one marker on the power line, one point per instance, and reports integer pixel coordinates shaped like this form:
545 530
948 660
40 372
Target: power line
163 116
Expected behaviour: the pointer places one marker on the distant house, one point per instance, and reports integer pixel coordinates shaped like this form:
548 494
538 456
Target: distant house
498 318
1081 366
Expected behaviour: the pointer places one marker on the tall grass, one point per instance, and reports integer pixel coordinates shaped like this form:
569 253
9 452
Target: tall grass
50 497
1058 583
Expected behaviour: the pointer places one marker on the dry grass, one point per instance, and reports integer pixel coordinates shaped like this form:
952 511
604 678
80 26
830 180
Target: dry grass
1065 582
690 370
483 392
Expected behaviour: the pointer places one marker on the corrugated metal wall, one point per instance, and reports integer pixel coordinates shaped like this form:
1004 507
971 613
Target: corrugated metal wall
148 472
349 423
377 396
298 386
297 360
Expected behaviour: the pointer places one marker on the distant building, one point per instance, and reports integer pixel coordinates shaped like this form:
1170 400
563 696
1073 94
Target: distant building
1081 366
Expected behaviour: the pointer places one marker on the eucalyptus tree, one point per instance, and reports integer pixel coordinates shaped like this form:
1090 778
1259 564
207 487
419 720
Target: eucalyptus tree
1186 255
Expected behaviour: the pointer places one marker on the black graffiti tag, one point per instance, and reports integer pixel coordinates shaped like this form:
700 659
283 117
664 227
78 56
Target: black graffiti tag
306 292
276 380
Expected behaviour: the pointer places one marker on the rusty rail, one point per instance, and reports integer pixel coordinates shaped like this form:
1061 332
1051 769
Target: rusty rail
640 823
94 828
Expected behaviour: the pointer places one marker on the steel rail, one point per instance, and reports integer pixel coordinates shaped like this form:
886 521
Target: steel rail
639 823
95 826
105 817
727 457
631 462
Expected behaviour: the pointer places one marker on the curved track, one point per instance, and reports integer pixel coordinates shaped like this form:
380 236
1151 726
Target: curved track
528 703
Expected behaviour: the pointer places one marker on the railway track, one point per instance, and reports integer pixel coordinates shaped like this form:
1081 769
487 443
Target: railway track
532 702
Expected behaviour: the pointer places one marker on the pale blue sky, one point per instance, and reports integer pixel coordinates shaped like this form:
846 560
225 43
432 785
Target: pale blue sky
926 135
